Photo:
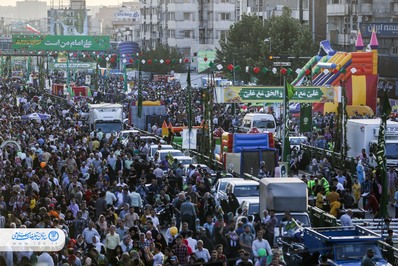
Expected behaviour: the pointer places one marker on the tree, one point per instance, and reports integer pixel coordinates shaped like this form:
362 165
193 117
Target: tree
243 47
162 52
246 45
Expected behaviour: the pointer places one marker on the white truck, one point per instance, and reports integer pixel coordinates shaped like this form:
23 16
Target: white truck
106 117
285 194
363 134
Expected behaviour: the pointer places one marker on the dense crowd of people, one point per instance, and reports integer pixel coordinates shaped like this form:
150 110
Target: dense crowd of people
61 174
117 209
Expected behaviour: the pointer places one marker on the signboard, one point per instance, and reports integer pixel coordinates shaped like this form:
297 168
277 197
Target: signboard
88 80
383 30
60 43
282 63
275 94
72 22
72 65
134 15
189 138
210 55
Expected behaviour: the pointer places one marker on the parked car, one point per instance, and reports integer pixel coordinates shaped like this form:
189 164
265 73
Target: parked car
163 153
252 205
154 148
243 189
219 187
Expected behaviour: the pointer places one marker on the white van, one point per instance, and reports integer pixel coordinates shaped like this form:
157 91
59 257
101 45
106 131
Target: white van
263 122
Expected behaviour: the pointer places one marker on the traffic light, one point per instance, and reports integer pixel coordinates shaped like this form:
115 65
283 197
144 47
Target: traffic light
270 57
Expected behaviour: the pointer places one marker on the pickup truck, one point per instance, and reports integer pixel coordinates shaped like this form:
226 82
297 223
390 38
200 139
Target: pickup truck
344 245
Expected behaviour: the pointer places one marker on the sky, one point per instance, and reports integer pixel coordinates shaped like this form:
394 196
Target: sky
66 2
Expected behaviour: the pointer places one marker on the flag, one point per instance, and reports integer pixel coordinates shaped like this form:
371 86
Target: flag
385 106
305 117
171 158
32 29
189 106
290 91
139 112
385 111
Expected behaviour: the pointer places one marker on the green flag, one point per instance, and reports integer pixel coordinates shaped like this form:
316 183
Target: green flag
305 117
385 106
290 90
139 111
189 105
385 110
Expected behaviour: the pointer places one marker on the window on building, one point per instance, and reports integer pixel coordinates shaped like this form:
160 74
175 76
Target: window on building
395 50
187 16
223 34
225 16
171 34
187 34
171 16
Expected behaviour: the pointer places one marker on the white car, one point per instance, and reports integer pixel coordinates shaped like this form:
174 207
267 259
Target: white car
252 205
154 148
295 142
219 187
163 153
243 189
184 159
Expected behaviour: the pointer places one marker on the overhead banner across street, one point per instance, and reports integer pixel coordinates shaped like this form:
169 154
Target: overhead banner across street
60 43
275 94
72 65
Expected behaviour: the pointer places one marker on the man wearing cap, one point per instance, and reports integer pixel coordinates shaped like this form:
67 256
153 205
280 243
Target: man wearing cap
367 259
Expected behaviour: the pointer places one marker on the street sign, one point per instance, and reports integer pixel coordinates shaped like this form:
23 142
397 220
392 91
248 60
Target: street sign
282 63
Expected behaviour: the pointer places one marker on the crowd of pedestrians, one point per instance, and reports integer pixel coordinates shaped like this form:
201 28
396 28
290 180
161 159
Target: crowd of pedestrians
63 175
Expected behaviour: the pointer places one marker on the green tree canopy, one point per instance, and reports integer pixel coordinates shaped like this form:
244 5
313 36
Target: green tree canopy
246 46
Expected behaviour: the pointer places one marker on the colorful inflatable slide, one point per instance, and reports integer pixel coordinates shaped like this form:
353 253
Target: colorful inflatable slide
356 71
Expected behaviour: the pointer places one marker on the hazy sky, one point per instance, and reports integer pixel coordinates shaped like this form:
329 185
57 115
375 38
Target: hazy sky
66 2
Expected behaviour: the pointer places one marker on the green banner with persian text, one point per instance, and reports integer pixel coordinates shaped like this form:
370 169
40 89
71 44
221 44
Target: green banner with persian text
275 94
72 65
60 43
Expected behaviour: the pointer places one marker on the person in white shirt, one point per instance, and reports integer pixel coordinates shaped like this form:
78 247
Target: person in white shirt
112 240
158 172
267 217
260 242
110 197
201 252
192 242
157 257
346 219
135 199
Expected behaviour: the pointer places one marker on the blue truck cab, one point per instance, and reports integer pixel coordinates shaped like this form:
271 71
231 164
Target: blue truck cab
344 245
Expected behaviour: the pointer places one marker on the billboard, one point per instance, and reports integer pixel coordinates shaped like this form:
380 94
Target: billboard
68 22
383 30
60 43
133 15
